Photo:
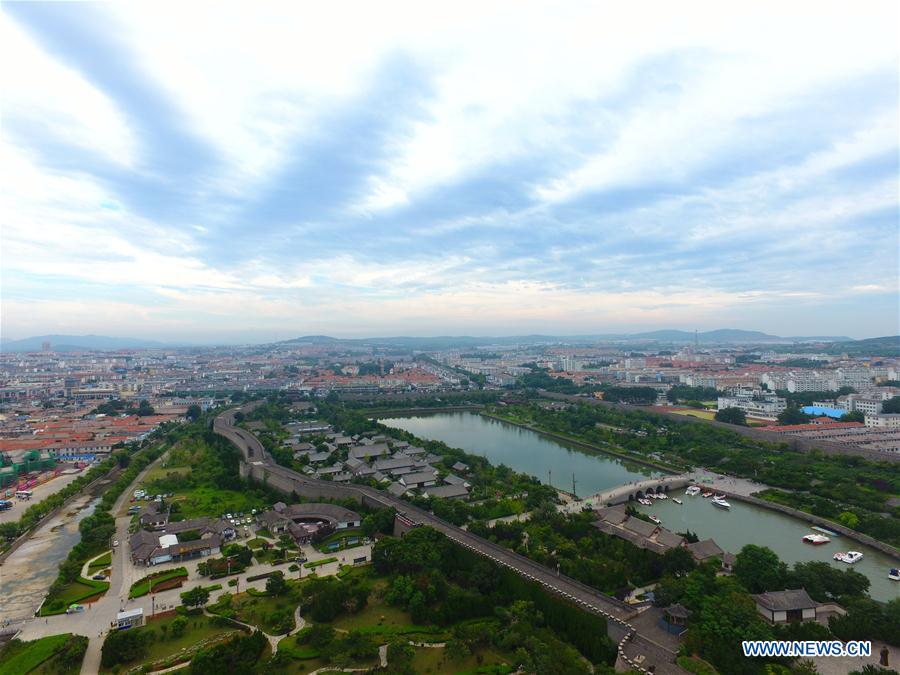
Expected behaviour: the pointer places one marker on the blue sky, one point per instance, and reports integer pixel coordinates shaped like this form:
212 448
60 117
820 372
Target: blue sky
226 172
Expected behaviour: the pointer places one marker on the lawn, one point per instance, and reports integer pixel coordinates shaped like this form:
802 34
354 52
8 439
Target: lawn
435 662
79 590
159 579
162 647
22 657
101 561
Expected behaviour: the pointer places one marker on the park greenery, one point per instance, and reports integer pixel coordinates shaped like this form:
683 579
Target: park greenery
581 551
60 654
826 485
724 612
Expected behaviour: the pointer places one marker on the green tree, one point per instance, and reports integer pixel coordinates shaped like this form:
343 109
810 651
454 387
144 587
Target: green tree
275 584
849 519
792 415
732 416
891 407
193 412
196 597
855 416
123 646
759 569
179 626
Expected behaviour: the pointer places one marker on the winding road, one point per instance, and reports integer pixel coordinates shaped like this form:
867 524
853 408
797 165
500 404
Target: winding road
637 649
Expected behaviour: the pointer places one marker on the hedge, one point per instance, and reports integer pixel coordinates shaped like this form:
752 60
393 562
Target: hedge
319 563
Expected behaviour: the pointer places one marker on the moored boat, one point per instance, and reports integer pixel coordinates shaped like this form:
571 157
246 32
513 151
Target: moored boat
707 495
677 501
721 503
816 539
850 557
655 519
894 574
692 491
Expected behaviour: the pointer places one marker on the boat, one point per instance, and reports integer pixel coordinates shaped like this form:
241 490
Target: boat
692 491
662 495
816 539
655 520
677 501
645 502
721 503
827 533
719 496
849 557
707 495
894 574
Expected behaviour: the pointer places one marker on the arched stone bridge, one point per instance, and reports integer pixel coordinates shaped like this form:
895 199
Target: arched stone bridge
631 491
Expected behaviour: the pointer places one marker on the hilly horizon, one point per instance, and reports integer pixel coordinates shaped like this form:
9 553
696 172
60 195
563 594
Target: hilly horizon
64 343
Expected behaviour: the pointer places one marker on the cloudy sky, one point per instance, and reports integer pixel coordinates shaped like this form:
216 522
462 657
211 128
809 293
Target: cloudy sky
252 171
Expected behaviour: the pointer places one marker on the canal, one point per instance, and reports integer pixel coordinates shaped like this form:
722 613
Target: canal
26 575
529 452
525 451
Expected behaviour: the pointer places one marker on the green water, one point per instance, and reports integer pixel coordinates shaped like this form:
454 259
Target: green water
531 453
524 450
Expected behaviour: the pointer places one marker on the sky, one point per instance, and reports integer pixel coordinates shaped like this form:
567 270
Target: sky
221 172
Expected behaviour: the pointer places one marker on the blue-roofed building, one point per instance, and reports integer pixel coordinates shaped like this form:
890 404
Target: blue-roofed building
819 411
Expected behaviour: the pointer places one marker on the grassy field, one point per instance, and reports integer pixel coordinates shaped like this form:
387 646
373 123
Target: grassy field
78 591
434 661
210 501
23 657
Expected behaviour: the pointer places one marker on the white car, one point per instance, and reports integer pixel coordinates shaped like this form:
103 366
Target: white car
115 542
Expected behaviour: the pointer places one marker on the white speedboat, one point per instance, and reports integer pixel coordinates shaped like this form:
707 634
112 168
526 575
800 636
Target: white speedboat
655 519
721 503
662 495
894 574
677 501
692 491
816 539
850 557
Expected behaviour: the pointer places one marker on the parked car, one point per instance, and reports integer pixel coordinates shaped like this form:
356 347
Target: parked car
115 542
99 577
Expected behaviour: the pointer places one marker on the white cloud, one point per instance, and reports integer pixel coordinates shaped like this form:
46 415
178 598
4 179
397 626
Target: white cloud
45 92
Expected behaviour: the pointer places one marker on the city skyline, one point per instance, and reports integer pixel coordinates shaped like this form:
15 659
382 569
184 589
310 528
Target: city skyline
509 170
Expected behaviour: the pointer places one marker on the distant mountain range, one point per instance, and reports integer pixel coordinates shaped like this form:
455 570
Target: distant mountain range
73 343
721 336
732 335
68 343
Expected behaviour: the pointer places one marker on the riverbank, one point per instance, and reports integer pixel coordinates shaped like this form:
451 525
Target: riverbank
376 413
585 446
887 549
